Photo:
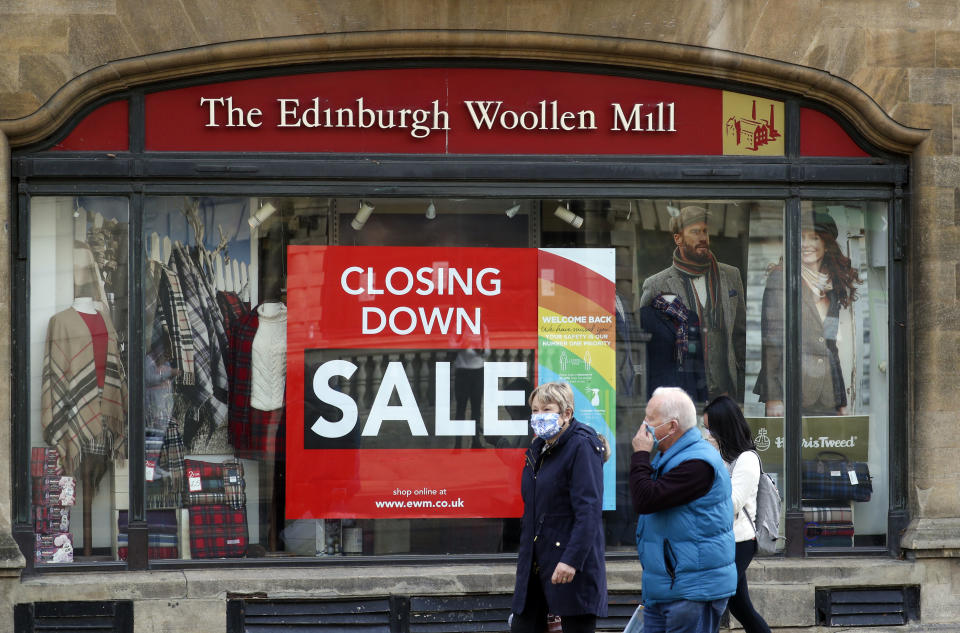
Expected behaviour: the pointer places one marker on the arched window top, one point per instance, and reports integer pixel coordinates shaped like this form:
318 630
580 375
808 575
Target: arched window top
680 63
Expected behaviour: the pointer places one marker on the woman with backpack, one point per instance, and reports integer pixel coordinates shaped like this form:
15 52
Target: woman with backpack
726 424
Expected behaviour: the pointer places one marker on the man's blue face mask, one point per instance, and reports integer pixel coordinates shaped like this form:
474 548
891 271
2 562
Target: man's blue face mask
652 430
546 425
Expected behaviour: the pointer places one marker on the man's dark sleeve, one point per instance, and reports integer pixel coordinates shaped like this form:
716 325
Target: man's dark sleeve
687 481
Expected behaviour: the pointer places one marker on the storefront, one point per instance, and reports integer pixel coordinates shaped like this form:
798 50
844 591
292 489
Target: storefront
284 320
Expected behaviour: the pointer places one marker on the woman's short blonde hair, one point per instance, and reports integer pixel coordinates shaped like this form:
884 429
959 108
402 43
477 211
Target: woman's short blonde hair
558 393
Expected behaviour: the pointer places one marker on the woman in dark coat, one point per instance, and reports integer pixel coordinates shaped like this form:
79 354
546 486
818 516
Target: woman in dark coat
560 564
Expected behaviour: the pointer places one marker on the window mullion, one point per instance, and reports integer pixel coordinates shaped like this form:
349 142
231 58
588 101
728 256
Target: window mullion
792 377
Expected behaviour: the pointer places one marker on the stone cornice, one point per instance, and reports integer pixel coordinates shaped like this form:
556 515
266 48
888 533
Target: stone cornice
864 113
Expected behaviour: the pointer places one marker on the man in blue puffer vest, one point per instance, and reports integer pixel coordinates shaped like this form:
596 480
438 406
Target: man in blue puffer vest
685 539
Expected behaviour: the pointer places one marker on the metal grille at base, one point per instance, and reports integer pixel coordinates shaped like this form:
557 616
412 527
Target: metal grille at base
868 606
90 617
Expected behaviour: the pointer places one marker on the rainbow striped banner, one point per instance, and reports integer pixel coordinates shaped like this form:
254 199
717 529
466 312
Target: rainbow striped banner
577 338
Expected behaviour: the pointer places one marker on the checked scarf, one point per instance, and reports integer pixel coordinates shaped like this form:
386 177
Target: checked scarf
679 317
692 269
173 319
78 417
209 338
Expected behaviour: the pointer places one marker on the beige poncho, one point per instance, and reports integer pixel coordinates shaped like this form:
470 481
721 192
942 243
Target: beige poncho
79 418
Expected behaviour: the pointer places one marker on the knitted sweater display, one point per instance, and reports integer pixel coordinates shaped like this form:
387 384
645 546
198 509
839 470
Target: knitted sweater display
269 358
252 431
78 417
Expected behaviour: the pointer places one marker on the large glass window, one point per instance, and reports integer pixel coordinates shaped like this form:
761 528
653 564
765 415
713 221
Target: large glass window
240 382
78 384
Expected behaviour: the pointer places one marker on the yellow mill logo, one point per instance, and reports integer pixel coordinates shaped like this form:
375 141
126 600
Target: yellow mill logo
752 126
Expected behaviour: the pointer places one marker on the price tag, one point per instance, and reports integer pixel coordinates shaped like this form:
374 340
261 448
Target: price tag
853 477
148 471
193 480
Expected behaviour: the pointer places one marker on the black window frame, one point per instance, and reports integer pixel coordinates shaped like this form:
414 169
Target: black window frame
135 173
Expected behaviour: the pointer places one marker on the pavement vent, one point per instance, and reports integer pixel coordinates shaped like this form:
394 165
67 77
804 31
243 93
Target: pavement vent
459 614
309 616
89 617
869 606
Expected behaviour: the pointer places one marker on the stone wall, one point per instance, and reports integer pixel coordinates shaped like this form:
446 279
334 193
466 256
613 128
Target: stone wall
903 55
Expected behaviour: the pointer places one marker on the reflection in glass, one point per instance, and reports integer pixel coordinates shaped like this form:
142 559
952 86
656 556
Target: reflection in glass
843 325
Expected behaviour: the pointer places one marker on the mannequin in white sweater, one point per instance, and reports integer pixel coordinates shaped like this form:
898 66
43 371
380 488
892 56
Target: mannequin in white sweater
269 358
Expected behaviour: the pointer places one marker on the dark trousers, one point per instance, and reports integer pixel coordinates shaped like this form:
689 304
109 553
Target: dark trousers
534 616
740 605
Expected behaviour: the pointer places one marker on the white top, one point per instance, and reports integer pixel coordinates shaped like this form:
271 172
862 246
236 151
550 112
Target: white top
85 305
268 363
745 478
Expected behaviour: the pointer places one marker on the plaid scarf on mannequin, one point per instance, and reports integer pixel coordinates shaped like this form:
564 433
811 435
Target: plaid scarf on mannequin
692 269
679 316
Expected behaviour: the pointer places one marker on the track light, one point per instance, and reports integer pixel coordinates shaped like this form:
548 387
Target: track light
363 213
564 213
431 211
512 211
261 215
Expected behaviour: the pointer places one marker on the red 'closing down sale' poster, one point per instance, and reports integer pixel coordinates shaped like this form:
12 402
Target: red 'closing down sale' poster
408 372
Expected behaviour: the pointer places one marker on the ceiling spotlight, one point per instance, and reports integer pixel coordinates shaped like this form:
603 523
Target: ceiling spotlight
261 215
568 216
431 211
363 213
512 211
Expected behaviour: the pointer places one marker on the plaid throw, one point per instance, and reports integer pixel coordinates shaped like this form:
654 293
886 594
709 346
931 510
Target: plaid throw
173 314
153 553
209 338
78 417
217 531
158 522
215 484
44 461
827 514
241 346
232 308
828 529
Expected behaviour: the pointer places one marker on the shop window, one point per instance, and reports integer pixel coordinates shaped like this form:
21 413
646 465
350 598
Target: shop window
247 347
78 382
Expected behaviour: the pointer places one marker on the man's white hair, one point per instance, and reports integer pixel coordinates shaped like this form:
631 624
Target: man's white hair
674 404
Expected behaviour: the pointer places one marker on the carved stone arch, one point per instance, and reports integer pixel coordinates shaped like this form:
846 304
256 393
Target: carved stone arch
861 111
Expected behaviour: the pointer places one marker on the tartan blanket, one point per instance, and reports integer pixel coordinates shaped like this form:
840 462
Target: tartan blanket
45 461
842 513
158 522
211 483
829 529
153 552
217 531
